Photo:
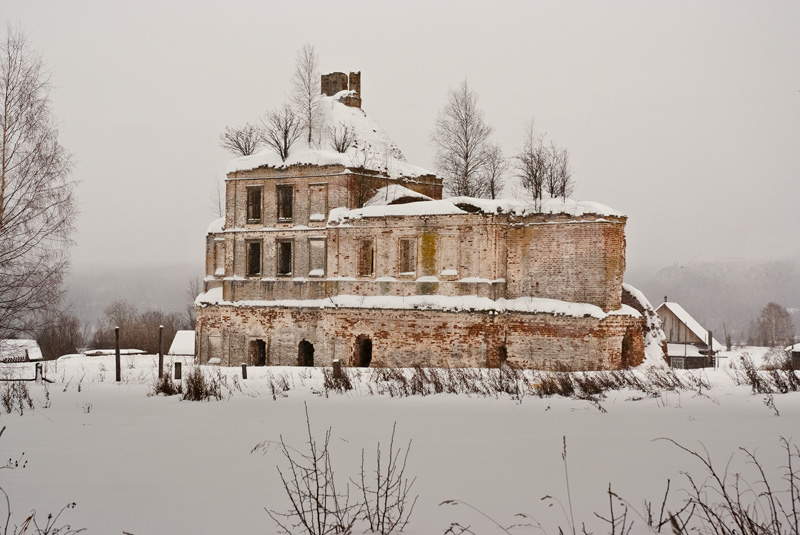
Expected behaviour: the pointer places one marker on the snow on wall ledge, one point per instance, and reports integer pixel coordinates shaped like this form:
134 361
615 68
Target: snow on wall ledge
465 303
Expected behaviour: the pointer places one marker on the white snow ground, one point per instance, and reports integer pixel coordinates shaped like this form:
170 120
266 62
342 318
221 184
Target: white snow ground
158 465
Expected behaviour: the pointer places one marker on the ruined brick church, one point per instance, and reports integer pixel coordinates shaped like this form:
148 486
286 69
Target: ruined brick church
354 256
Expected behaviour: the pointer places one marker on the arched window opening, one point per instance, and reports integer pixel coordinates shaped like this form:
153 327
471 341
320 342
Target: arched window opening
305 354
363 351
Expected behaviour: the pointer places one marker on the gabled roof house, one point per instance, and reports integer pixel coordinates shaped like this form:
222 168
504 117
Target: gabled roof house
689 344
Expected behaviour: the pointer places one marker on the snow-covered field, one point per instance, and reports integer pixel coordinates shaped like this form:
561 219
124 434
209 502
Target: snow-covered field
146 464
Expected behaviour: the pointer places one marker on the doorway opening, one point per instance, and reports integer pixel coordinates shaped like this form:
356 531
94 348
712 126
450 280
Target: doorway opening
363 351
305 353
258 352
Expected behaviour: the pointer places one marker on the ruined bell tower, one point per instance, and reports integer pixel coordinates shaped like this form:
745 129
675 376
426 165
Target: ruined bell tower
333 83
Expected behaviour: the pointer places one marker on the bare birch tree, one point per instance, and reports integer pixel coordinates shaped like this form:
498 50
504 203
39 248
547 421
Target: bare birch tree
216 196
559 180
242 140
532 163
281 128
496 168
305 93
37 195
461 137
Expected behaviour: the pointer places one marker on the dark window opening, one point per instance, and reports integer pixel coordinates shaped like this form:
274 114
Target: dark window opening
363 351
502 355
284 195
254 204
408 257
366 264
627 350
305 353
258 352
254 258
284 258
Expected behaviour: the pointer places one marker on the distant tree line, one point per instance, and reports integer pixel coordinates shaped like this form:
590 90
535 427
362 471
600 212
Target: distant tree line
64 334
773 327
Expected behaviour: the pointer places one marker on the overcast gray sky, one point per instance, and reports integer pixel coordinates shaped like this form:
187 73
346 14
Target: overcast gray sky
683 115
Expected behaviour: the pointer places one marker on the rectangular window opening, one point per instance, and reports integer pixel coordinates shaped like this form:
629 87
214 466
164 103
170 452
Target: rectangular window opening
408 256
316 260
254 258
219 258
254 204
284 198
366 264
285 258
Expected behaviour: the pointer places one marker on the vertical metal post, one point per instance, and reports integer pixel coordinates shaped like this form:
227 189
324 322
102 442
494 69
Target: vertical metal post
116 355
160 352
244 370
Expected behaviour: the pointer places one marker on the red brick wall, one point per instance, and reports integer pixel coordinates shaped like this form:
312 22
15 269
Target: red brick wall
425 337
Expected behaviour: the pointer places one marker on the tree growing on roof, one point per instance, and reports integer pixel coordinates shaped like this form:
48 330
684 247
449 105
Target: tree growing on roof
341 137
241 140
532 162
559 181
461 137
305 93
496 168
543 168
37 194
281 128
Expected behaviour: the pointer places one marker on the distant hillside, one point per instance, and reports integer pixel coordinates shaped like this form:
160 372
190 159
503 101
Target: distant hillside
92 288
730 292
713 292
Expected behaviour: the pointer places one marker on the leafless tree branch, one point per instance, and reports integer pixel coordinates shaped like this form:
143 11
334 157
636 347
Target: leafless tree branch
305 95
461 137
37 195
281 129
241 140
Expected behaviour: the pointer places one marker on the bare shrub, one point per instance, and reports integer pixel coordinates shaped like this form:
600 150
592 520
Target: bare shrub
341 137
199 387
15 396
385 503
726 504
165 385
754 379
278 386
338 383
317 507
715 502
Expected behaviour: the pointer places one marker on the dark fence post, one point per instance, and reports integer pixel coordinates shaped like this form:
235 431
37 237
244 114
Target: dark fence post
160 352
244 370
177 371
116 355
337 369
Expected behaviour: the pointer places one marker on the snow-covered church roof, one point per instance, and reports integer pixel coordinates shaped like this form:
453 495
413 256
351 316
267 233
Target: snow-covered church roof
373 148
